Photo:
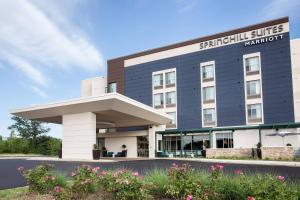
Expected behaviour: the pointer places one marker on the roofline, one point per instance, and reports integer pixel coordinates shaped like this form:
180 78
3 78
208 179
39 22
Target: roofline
204 38
233 128
87 100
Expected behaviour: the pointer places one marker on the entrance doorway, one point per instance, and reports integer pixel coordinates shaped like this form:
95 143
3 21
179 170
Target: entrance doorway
142 146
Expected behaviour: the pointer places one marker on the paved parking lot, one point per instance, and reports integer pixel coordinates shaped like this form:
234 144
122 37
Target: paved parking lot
10 177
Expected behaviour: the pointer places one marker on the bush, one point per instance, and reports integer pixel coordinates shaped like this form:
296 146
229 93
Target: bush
42 179
85 181
179 182
124 185
158 179
42 145
183 182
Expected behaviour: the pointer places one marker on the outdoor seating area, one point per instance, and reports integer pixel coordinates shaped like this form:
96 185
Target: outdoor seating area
109 154
183 153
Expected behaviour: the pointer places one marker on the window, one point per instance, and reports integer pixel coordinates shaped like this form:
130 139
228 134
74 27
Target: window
208 72
158 100
209 94
112 87
170 98
158 80
254 111
173 115
170 79
253 88
252 64
224 140
209 116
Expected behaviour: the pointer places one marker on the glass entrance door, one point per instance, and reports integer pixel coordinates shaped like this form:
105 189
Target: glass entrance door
142 146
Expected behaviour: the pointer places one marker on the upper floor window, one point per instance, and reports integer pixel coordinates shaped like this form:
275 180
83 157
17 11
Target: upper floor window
209 116
158 81
158 100
173 115
170 79
252 65
170 99
208 94
253 88
112 87
208 72
254 112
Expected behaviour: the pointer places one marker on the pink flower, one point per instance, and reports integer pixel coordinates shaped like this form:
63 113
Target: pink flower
135 174
189 197
174 165
220 167
21 169
73 174
281 178
238 172
57 189
95 169
53 178
212 168
250 198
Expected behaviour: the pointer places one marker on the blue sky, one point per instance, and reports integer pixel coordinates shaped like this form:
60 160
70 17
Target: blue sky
47 47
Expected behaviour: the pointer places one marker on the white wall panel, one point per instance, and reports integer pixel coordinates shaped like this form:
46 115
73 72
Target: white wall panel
79 135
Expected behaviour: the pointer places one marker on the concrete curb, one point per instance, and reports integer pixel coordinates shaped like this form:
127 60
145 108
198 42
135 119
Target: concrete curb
57 159
245 162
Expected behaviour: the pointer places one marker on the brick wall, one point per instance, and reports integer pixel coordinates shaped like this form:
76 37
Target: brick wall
277 152
242 152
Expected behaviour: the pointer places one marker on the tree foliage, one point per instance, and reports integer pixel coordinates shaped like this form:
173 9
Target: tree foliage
28 129
32 138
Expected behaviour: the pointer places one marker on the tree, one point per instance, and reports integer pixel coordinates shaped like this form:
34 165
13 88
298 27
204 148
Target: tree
28 129
0 138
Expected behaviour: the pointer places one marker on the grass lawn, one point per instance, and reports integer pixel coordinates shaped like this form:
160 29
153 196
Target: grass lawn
16 193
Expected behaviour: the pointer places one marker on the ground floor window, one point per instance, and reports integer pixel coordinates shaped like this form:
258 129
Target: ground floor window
224 140
142 146
189 143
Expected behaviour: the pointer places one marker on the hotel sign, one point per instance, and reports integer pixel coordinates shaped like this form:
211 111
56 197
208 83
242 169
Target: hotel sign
248 38
257 36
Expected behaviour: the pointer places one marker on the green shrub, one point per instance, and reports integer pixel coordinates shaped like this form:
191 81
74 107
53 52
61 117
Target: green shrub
85 181
270 187
124 185
158 179
183 183
42 179
42 145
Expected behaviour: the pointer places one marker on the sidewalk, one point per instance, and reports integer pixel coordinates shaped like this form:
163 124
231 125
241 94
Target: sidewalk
245 162
45 158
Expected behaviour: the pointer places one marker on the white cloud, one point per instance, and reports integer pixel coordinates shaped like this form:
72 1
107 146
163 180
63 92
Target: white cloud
31 41
281 8
185 6
39 92
27 69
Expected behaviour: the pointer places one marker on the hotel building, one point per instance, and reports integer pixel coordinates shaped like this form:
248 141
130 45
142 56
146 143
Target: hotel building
225 92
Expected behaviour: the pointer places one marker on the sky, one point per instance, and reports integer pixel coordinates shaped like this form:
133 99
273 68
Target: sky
47 47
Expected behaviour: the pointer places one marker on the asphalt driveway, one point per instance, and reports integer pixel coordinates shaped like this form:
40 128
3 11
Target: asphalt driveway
10 177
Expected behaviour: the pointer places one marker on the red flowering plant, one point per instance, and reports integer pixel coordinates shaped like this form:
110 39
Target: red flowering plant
183 184
123 184
42 179
85 181
270 187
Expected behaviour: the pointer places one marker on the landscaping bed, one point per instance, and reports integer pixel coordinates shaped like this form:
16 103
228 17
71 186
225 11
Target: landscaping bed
177 182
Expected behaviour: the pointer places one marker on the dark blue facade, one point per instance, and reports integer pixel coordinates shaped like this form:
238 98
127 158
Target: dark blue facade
276 83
